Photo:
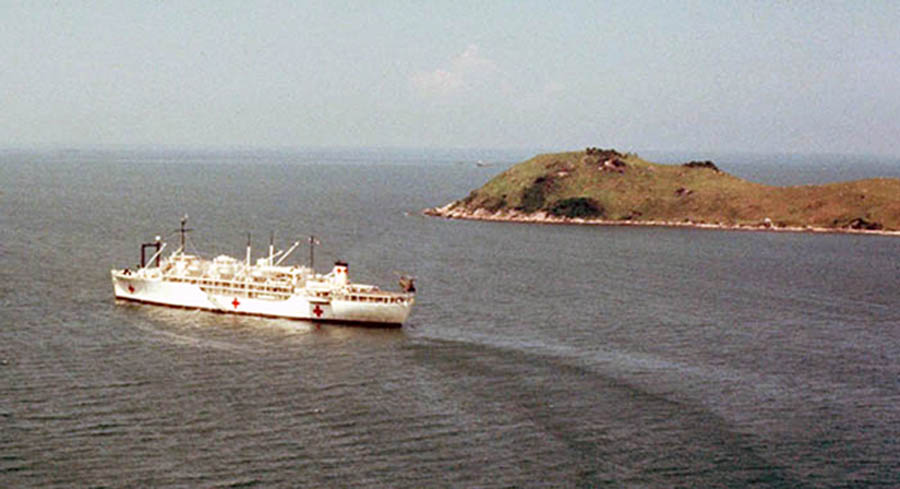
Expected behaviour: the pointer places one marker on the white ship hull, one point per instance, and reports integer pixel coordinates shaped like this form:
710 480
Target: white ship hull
155 290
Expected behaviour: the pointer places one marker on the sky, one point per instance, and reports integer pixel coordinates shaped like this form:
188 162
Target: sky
743 76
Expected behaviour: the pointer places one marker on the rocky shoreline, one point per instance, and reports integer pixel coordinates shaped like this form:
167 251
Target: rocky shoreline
454 210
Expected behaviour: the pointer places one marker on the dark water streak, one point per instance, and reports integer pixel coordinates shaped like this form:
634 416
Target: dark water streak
538 356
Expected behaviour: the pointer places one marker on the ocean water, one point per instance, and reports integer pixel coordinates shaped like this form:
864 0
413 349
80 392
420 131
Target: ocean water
536 356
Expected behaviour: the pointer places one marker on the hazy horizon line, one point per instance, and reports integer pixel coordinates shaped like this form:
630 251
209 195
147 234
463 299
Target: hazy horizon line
243 148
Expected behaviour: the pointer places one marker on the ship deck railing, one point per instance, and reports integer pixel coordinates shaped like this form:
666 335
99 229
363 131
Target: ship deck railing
246 288
378 298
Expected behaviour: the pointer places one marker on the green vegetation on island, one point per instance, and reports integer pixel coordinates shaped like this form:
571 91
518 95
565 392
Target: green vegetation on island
609 187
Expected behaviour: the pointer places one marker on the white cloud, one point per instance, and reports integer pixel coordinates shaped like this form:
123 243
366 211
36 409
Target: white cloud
467 72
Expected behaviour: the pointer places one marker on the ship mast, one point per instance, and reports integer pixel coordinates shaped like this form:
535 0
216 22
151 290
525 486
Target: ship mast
183 230
247 261
312 249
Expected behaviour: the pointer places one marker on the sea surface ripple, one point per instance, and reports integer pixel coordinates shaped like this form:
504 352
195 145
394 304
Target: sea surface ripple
536 356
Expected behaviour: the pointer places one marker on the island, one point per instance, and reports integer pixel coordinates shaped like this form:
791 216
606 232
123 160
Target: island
606 187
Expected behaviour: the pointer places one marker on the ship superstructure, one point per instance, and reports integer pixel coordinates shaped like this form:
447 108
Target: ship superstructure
265 288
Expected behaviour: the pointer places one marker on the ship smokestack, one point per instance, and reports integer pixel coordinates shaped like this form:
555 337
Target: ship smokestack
340 274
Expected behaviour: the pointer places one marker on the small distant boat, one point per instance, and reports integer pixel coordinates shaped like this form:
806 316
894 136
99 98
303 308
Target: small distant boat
266 288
